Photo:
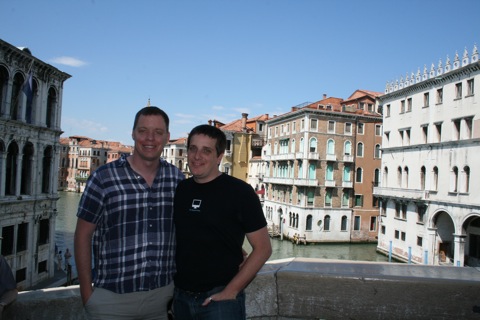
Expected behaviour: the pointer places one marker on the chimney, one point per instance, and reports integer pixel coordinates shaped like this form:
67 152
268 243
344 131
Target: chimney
244 122
209 122
324 96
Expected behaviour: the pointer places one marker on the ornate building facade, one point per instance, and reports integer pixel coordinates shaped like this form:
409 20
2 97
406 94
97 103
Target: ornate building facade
321 170
430 186
30 114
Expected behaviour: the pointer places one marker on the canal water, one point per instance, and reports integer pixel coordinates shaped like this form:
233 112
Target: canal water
66 220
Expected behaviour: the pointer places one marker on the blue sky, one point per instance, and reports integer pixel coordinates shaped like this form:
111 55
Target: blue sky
201 60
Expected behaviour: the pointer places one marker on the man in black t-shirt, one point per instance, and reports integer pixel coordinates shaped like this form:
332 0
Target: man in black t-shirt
213 212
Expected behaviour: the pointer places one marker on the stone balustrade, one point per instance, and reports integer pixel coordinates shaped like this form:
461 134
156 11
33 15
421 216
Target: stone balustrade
304 288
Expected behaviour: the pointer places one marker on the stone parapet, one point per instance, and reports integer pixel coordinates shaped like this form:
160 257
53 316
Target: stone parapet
302 288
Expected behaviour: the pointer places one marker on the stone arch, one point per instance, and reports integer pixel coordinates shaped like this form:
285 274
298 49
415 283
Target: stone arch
445 228
471 231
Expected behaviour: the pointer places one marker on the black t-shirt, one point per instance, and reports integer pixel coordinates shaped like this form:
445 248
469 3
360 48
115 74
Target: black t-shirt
211 220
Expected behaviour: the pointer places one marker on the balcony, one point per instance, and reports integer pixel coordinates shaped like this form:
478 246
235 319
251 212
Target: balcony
347 184
331 157
277 180
400 193
284 156
330 183
347 158
306 182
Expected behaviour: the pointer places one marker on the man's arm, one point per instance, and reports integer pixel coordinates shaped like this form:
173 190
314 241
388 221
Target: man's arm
261 251
83 257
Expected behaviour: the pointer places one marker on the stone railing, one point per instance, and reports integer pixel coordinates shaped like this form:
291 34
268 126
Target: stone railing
301 288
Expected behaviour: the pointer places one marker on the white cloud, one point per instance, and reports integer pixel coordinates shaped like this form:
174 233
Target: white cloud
218 108
69 61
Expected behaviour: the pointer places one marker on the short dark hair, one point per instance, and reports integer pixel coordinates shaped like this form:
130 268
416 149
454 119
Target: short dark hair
151 111
211 132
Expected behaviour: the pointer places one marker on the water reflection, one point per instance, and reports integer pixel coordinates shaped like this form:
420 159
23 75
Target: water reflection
66 221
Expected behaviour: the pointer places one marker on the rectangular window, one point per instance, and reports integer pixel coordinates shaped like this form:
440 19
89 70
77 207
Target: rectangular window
362 106
458 91
388 111
409 105
348 128
358 200
302 124
345 199
294 127
378 129
373 223
397 234
440 96
331 126
426 99
383 230
370 107
425 133
470 87
328 197
356 223
468 128
360 128
403 236
407 137
420 241
456 129
313 124
438 129
402 106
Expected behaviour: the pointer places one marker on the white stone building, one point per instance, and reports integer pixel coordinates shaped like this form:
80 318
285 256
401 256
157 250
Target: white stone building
430 186
30 113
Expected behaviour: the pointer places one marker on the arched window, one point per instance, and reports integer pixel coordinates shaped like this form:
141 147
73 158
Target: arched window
466 179
347 148
346 173
313 145
344 223
359 175
309 222
296 221
330 147
454 180
360 149
376 178
47 169
405 174
326 223
329 172
435 179
301 144
422 177
399 177
311 171
377 154
385 177
27 168
292 148
51 107
11 169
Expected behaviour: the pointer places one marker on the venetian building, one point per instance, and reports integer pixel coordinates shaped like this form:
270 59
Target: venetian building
30 114
175 152
430 187
320 170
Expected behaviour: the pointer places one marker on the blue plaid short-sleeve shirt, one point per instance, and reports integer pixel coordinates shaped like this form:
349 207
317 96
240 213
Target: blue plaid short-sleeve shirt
134 241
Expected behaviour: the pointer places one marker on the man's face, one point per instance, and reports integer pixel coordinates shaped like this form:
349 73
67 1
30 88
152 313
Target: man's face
150 136
202 158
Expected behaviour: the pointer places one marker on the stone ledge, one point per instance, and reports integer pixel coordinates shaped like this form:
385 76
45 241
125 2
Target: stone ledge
302 288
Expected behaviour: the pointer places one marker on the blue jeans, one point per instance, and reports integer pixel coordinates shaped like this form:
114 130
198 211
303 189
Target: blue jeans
188 306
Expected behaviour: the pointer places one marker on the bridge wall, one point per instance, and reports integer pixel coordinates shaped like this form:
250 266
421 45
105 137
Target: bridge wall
301 288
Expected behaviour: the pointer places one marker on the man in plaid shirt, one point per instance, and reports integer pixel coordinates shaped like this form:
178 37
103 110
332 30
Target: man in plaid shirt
125 222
